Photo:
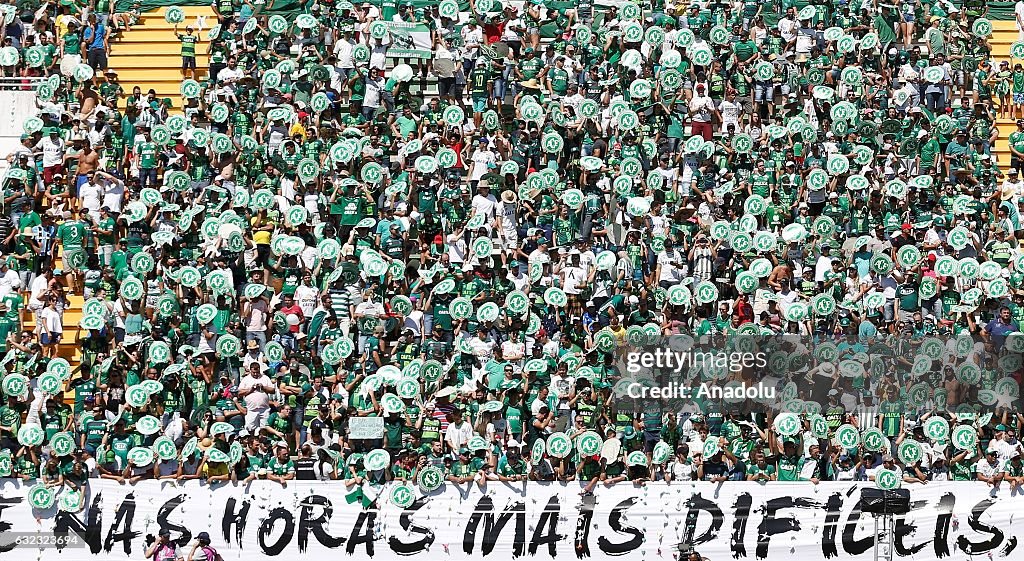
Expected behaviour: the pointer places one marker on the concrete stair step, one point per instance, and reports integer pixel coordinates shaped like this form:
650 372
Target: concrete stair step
68 351
156 19
189 11
153 74
72 314
158 25
163 89
148 36
172 62
153 49
1004 33
71 318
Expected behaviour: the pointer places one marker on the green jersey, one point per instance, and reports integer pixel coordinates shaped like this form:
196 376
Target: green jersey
478 82
559 80
72 44
891 412
147 154
765 472
108 225
72 234
508 469
188 45
277 467
530 67
789 468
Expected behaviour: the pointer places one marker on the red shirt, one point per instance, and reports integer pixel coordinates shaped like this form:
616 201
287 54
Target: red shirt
294 309
457 146
493 31
744 311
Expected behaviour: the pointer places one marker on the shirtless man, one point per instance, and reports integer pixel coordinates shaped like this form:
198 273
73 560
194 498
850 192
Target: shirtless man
88 161
783 270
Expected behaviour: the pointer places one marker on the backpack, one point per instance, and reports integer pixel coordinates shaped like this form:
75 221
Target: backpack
211 553
159 555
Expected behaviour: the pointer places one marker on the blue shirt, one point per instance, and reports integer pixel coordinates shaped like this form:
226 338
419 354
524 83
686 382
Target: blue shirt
384 229
862 259
95 36
999 330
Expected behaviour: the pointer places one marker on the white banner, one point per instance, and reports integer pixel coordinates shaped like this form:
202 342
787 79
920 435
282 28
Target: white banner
409 40
264 520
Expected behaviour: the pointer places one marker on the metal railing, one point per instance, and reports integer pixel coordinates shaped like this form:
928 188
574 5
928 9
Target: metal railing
19 83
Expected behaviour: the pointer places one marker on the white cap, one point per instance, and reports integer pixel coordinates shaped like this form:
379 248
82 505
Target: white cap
513 443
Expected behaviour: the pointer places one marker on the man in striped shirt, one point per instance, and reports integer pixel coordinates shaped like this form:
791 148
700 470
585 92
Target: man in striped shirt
343 305
188 51
148 117
702 258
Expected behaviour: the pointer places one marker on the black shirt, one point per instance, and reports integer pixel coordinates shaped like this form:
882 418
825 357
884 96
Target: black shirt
714 469
304 469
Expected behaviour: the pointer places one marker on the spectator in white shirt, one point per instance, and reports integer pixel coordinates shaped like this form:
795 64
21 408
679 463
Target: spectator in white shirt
990 471
481 157
372 96
1018 15
10 281
824 263
788 26
702 109
39 289
343 50
671 265
1013 186
51 327
458 433
227 78
306 295
485 204
52 147
255 389
472 37
378 55
90 195
730 109
680 468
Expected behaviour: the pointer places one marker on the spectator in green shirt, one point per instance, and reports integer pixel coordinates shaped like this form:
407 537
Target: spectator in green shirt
281 468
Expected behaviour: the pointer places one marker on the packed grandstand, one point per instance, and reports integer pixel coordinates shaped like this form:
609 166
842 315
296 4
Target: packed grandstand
426 243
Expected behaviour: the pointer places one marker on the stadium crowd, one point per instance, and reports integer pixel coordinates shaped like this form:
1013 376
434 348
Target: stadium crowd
352 252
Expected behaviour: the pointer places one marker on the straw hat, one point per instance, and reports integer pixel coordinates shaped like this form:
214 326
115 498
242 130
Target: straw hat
205 444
